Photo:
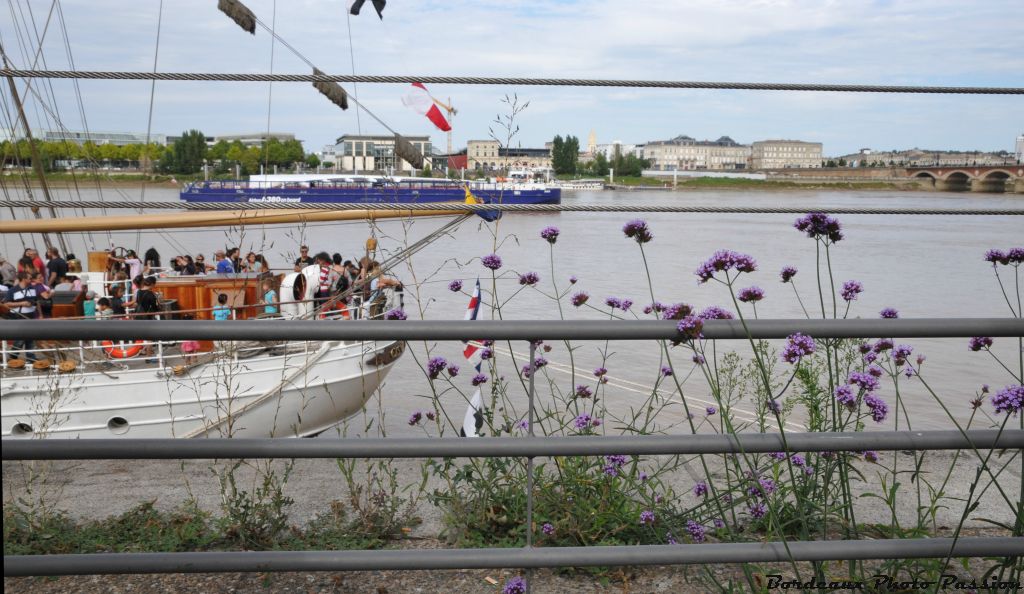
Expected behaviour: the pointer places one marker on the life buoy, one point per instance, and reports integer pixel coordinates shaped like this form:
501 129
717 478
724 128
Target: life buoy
122 350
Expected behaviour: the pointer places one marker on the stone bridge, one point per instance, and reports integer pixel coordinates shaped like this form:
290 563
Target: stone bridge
978 178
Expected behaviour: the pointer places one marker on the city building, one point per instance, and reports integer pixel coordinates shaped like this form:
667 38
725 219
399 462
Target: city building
1019 149
247 140
366 153
783 154
609 150
101 138
488 155
916 157
685 153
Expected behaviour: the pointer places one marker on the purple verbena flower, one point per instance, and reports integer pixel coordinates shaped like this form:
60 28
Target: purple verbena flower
646 517
774 406
882 344
870 357
522 425
677 311
724 261
671 539
394 314
787 274
714 312
549 234
698 358
690 327
718 523
875 371
763 488
797 346
871 456
455 286
547 529
415 418
626 304
529 279
845 396
600 372
696 531
585 421
797 460
572 279
453 369
866 381
750 294
583 391
486 354
879 409
900 353
638 230
851 289
700 489
997 257
710 410
492 261
819 225
613 302
979 342
778 456
516 585
666 371
1015 255
479 379
580 298
1009 399
435 366
431 415
889 313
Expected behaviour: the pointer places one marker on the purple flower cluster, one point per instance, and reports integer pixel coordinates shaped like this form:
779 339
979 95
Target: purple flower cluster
516 585
845 396
696 531
979 342
435 366
724 261
580 298
751 294
787 274
583 391
819 225
657 306
700 489
677 311
900 353
758 510
486 354
666 371
710 410
394 314
613 463
1009 399
415 418
889 313
797 460
797 346
585 421
714 312
572 279
882 344
600 372
871 456
763 488
698 358
529 279
1014 256
690 327
774 406
547 529
455 286
638 230
453 369
492 261
879 409
522 425
479 379
646 517
779 456
549 234
866 381
851 289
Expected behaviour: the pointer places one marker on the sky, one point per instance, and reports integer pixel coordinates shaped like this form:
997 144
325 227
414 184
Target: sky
888 42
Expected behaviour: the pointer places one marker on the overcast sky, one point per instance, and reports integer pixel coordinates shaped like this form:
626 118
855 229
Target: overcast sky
911 42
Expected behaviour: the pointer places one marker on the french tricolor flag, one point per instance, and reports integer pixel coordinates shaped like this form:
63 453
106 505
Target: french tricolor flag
420 100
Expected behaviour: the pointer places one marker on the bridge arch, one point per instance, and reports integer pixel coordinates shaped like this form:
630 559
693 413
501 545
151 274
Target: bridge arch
998 174
926 175
959 176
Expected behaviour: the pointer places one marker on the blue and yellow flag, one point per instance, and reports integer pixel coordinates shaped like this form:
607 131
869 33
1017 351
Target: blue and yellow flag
487 215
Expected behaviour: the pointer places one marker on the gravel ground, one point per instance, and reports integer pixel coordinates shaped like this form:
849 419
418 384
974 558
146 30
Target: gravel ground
97 489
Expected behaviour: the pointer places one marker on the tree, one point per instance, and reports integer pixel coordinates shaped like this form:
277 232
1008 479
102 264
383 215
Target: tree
427 172
557 148
599 166
312 161
187 155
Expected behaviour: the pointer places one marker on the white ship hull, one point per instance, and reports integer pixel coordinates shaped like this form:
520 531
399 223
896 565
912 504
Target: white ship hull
250 392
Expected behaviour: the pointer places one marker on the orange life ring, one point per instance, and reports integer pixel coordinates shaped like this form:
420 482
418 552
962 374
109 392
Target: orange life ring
122 350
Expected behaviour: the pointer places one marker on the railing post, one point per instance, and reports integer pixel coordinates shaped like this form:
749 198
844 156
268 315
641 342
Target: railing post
529 461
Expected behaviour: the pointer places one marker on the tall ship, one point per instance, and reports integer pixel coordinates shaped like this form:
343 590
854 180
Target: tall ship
369 189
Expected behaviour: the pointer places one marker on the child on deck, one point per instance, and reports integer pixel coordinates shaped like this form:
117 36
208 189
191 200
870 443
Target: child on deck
269 297
222 311
103 309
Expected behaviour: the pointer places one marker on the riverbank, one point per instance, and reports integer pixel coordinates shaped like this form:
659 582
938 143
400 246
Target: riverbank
732 183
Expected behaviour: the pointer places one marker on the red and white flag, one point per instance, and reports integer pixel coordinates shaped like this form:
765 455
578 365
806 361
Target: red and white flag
420 100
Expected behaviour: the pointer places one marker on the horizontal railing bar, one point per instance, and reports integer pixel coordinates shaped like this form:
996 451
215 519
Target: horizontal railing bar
500 330
456 207
423 447
350 560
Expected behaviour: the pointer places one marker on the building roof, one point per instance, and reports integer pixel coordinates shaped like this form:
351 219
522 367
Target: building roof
684 140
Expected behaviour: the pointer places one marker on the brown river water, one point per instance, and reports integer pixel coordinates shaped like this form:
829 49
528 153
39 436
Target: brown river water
924 266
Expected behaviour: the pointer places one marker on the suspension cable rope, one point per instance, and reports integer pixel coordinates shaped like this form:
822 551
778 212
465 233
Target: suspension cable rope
491 80
458 207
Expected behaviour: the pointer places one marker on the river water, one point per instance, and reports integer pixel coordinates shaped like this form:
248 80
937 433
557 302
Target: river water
924 266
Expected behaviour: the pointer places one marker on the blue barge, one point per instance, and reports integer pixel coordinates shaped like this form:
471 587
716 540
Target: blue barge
368 190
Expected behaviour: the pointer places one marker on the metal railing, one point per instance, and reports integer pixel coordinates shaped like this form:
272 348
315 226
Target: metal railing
528 447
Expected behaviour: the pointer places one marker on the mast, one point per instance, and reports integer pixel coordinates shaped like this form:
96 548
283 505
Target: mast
37 163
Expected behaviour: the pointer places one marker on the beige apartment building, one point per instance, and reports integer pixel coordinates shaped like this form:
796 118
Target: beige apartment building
488 155
684 153
783 154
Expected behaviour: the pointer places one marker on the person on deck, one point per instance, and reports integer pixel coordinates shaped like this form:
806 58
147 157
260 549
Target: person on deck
103 309
147 306
8 273
303 260
269 297
56 266
222 312
224 265
45 296
325 279
133 262
21 302
117 301
33 255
